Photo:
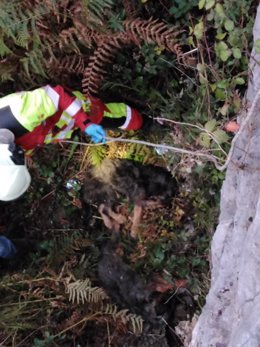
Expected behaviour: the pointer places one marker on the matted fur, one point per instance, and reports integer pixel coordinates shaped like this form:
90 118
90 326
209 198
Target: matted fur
117 179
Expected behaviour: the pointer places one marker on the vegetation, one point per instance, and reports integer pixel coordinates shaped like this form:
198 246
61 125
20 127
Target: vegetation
183 62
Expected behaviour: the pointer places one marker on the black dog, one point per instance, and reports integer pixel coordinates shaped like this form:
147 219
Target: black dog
116 179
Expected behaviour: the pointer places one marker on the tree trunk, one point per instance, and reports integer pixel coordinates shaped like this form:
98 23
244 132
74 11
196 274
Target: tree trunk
231 315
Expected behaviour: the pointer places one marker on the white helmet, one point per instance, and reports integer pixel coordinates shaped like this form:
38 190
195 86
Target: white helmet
14 176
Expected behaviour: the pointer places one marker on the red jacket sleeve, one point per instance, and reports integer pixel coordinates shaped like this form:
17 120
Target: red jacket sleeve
72 106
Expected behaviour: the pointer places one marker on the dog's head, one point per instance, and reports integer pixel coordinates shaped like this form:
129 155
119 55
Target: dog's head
160 183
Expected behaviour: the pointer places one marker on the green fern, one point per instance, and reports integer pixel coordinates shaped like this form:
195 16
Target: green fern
95 10
140 153
15 21
16 317
33 63
4 49
63 246
23 36
7 71
96 154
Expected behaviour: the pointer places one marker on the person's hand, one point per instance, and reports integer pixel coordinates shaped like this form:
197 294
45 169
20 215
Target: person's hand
96 133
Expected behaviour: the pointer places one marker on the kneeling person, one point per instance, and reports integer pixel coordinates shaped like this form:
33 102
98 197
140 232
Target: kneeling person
14 180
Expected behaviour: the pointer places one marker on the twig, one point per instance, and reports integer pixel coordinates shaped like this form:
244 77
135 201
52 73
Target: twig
194 126
85 319
190 52
176 67
108 335
210 157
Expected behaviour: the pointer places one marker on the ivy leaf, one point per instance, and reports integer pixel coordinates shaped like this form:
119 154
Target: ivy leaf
220 94
201 69
210 125
204 140
222 51
220 136
224 109
223 84
198 30
237 103
202 4
221 36
220 11
257 46
229 25
209 4
240 81
236 53
213 86
210 16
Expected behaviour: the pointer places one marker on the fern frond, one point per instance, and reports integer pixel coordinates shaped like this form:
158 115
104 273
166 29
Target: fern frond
86 35
130 9
97 8
95 11
68 38
7 71
23 36
15 21
4 49
95 156
153 31
135 321
64 246
98 62
54 7
82 292
68 64
33 62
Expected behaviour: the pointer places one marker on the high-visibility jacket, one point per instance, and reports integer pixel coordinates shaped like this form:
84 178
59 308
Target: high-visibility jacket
50 114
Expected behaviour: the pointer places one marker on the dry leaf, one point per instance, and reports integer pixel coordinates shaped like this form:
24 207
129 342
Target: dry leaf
160 285
231 126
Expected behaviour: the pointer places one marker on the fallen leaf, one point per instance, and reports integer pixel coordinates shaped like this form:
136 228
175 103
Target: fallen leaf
231 126
160 285
181 283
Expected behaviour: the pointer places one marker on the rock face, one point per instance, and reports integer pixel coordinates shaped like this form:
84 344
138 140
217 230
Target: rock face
231 316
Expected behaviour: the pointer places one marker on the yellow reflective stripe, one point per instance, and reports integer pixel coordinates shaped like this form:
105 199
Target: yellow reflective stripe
63 134
29 152
78 95
33 107
67 114
48 139
84 102
65 119
128 118
116 110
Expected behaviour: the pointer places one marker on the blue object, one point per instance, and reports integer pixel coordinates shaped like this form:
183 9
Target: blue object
7 248
96 133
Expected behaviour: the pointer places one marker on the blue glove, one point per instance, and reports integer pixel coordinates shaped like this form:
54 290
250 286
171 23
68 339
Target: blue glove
7 248
96 133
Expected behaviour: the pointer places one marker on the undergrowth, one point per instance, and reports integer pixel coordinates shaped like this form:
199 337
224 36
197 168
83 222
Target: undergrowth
51 295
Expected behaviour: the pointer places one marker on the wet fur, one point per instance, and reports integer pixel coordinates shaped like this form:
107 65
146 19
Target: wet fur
124 285
115 179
